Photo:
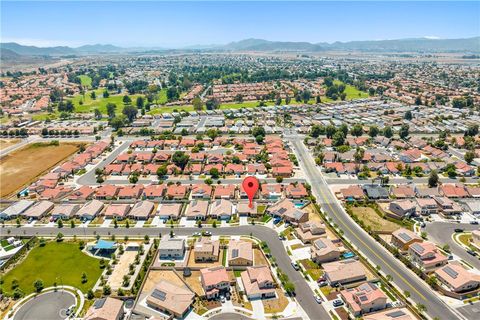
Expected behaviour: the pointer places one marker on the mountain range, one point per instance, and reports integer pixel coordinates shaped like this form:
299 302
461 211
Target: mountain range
466 45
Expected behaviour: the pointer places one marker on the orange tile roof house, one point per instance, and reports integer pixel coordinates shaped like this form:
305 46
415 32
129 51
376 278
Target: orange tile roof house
90 210
391 314
214 281
240 253
310 231
55 193
454 191
221 209
130 192
206 250
197 210
402 191
117 211
352 193
38 210
243 209
83 193
176 191
324 250
344 271
426 256
105 309
201 191
271 191
456 278
141 210
296 191
224 191
403 238
427 206
365 298
171 299
64 211
107 192
402 208
258 282
154 191
169 211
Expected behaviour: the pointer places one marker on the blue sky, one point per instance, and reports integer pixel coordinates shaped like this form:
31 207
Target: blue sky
176 24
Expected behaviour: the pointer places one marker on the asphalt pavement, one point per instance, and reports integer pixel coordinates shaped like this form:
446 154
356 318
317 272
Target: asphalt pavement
47 306
404 278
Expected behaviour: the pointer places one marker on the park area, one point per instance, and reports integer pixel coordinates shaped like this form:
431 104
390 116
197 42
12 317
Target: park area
373 220
60 262
22 166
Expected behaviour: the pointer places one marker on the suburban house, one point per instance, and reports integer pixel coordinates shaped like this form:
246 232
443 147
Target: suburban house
402 238
271 191
38 210
117 211
221 209
171 299
427 206
352 193
153 191
169 211
365 298
64 211
90 210
176 192
82 193
141 210
344 271
426 256
310 231
287 210
201 191
456 278
16 209
258 282
171 248
402 191
324 250
243 209
105 309
403 208
240 253
391 314
375 191
107 192
447 206
224 191
197 210
215 281
296 191
206 250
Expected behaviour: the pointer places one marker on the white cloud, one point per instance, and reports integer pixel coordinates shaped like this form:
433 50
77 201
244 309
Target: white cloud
432 37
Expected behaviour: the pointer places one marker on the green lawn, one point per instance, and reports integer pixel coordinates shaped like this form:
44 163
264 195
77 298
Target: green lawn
85 80
60 262
351 91
89 105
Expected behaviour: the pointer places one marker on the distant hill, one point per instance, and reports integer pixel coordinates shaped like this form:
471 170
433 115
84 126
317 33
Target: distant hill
7 54
466 46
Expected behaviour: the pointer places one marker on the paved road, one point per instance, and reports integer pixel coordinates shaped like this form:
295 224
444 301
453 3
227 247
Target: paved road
405 279
441 233
47 306
89 178
422 180
304 293
193 181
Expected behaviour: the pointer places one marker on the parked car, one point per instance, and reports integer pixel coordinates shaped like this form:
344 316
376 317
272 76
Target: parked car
318 299
474 222
295 266
207 233
337 303
458 230
471 252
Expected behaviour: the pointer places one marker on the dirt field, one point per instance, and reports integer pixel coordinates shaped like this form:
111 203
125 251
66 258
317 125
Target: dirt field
258 258
5 143
275 305
372 219
116 279
154 277
22 166
195 283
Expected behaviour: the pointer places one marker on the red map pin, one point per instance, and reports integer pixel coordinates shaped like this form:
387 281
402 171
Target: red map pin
250 185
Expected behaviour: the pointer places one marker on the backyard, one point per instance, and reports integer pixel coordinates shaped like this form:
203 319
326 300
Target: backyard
60 262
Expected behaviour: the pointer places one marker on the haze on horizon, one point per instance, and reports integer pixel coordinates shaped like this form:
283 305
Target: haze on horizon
168 24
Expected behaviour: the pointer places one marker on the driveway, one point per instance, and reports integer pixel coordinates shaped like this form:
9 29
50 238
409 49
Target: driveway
258 311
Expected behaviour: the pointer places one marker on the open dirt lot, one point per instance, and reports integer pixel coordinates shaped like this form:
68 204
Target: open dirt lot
154 277
5 143
275 305
372 219
258 258
22 166
121 269
195 283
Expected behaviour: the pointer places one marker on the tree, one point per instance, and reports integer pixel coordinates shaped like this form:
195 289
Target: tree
72 224
472 130
418 100
111 108
408 115
330 131
140 102
38 285
90 294
180 159
126 100
388 132
197 103
60 223
97 114
259 139
433 179
338 139
117 122
84 277
373 131
130 112
162 171
469 156
106 290
357 130
256 131
93 95
212 104
214 173
106 94
404 131
316 131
